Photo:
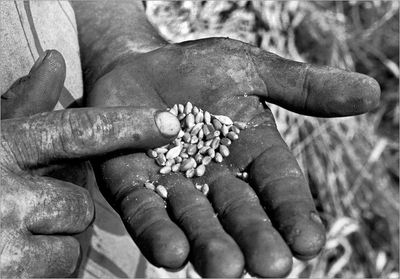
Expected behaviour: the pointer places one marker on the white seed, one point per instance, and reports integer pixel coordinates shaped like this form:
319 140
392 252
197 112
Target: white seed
198 186
217 125
224 130
151 153
207 117
189 121
196 128
161 150
189 173
174 111
245 176
240 125
215 143
198 158
169 162
200 145
205 189
206 131
165 170
181 116
176 167
181 108
224 119
161 160
180 134
188 107
208 142
206 160
232 136
188 164
174 152
195 110
186 137
194 139
218 157
200 135
211 152
199 117
184 155
235 129
149 185
175 107
192 149
162 191
224 150
200 170
225 141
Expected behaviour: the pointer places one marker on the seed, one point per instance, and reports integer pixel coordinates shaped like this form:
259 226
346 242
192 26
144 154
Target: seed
208 143
188 164
195 110
181 116
206 160
192 149
223 119
184 155
198 158
188 107
194 139
169 162
196 128
224 150
181 108
180 134
240 125
176 167
224 130
174 152
199 117
161 150
205 189
210 136
186 137
176 142
162 191
203 149
211 128
149 185
178 159
215 143
245 176
200 135
217 125
165 170
189 121
206 131
216 133
235 129
198 186
218 157
232 136
175 107
225 141
174 111
200 144
151 153
200 170
211 152
161 160
190 173
207 117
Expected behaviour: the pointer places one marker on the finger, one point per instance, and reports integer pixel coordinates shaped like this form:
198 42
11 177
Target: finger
213 252
277 179
59 207
314 90
50 256
80 133
242 216
160 240
37 92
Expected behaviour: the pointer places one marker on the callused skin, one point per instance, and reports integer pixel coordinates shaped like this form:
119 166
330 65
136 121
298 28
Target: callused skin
260 224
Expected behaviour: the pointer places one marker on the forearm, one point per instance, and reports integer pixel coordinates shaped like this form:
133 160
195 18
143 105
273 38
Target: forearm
110 30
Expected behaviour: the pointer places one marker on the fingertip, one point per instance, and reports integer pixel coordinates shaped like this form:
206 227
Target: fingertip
167 124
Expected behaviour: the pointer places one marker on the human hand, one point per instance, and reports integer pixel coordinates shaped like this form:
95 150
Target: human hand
38 213
230 78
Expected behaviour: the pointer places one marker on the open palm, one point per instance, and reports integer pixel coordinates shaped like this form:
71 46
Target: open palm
257 225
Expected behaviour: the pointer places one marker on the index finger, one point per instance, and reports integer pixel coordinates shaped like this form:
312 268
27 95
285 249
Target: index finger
80 133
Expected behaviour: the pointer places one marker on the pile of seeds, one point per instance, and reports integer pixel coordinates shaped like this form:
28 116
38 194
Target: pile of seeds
203 137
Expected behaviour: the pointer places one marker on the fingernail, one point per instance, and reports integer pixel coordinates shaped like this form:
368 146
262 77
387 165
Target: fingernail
167 123
40 60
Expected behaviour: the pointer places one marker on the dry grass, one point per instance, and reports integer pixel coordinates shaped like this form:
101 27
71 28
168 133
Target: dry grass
351 164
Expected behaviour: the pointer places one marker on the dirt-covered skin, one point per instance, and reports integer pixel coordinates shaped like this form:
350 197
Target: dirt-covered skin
257 225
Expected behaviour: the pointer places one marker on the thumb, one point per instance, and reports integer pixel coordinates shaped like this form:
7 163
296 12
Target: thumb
80 133
38 91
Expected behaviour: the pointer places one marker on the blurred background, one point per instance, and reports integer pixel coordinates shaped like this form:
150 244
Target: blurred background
352 164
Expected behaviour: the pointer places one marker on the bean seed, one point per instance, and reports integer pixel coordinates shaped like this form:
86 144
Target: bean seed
161 160
198 158
211 152
194 139
235 129
240 125
195 110
178 159
224 119
161 150
206 131
149 185
208 142
181 116
224 150
190 173
245 176
151 153
188 164
186 137
188 107
205 189
173 111
206 160
207 117
169 162
217 125
181 108
174 152
192 149
184 155
211 128
224 130
198 186
215 143
162 191
218 157
210 136
200 170
225 141
189 121
199 117
232 136
181 133
175 107
200 135
176 167
196 128
165 170
200 144
203 149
